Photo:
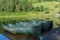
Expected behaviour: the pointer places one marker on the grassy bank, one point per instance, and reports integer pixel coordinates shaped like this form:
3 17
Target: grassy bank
50 11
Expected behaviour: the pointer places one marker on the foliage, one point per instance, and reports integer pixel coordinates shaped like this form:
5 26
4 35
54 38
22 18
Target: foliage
15 5
39 9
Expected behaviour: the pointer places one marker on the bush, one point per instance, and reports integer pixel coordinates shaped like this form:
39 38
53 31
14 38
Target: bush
58 12
39 9
15 5
36 9
47 12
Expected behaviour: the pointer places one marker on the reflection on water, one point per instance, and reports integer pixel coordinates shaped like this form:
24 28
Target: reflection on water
2 37
41 38
53 34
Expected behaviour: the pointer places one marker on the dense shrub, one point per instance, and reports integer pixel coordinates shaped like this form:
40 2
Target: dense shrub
15 5
59 12
36 9
42 9
39 9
